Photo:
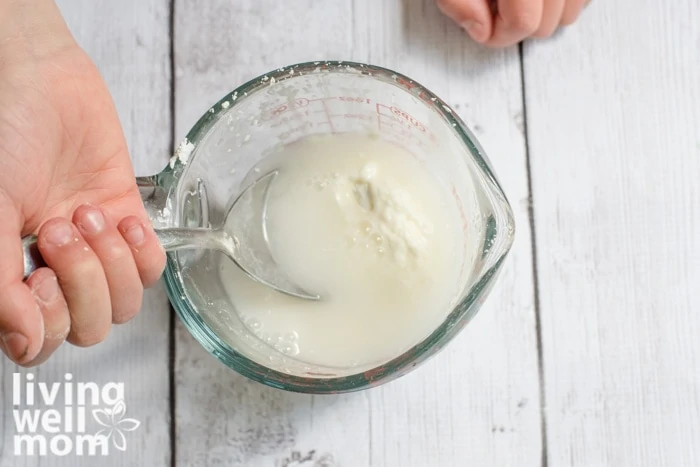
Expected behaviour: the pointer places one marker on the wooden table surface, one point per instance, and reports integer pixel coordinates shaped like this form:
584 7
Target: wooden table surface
587 354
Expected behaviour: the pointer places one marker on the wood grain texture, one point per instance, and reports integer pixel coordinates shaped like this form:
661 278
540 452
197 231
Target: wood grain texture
477 403
129 41
613 107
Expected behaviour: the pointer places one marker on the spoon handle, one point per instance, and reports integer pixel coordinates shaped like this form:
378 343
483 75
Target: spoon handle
189 239
171 240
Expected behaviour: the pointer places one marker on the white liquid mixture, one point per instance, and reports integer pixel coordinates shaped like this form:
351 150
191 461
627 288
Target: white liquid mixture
364 224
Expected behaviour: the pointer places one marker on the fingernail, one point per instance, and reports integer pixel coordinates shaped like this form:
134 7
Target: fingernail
16 346
47 289
134 235
93 221
60 234
473 28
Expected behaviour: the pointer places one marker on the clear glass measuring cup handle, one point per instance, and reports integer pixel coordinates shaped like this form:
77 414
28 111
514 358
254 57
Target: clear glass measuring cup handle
32 257
153 195
170 239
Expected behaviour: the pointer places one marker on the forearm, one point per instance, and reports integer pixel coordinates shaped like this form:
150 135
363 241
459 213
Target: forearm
31 28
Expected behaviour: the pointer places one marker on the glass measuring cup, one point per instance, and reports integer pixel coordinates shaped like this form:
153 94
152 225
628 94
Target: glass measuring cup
219 158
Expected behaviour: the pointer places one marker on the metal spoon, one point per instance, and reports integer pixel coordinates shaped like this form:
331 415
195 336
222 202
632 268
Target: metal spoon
242 238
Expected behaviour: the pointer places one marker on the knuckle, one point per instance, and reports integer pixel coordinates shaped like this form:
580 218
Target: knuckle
116 253
89 337
568 19
89 326
156 272
128 308
122 318
150 279
448 7
27 365
151 269
524 21
543 32
81 272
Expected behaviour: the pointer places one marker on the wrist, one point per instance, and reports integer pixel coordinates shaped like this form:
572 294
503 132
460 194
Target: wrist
32 28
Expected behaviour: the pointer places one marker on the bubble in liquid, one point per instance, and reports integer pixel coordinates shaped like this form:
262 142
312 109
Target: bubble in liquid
276 338
254 324
378 238
292 336
291 350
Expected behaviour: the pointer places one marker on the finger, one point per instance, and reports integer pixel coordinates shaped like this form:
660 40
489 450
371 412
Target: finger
123 281
472 15
572 11
515 21
551 17
43 284
21 323
147 251
81 278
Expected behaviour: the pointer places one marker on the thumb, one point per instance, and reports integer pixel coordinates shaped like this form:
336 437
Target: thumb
21 321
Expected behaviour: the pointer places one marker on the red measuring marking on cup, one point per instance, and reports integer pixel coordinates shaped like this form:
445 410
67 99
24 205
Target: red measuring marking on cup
327 111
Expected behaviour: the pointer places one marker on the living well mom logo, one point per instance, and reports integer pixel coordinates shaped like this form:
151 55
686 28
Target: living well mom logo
52 419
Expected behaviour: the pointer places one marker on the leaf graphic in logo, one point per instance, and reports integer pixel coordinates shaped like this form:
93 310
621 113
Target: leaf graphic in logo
119 440
103 417
129 424
118 411
115 424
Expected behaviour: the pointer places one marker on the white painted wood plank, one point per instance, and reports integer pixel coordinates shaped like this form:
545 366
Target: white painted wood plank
129 41
477 403
613 109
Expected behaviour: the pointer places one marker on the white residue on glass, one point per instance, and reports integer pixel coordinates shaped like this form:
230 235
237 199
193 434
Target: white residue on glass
182 154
